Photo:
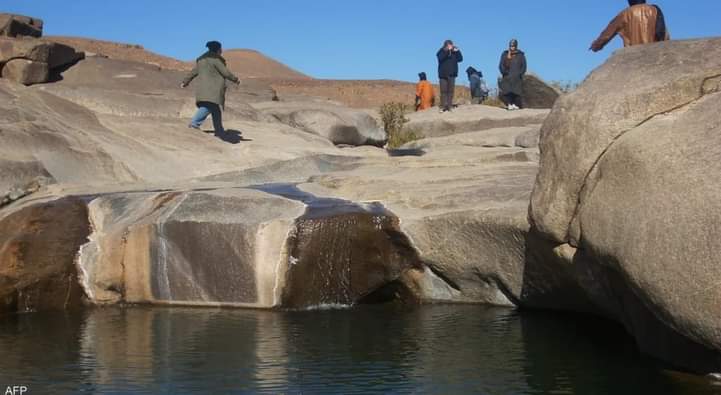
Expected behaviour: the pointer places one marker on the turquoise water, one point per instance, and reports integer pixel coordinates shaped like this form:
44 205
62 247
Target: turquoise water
369 349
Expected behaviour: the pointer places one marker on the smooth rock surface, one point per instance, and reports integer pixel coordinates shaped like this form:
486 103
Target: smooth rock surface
615 98
626 197
338 124
470 118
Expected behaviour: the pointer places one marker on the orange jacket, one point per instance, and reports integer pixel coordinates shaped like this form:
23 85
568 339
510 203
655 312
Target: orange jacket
636 25
424 92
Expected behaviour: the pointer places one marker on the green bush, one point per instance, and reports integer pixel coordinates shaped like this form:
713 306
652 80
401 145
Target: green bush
394 118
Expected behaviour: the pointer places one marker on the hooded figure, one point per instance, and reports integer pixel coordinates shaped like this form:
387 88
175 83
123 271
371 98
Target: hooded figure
512 67
638 24
212 73
424 93
479 90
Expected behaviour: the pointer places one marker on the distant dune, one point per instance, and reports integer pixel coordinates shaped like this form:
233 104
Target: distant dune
113 50
357 93
248 63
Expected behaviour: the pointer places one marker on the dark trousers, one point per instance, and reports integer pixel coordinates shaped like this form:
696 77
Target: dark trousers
207 108
448 88
512 98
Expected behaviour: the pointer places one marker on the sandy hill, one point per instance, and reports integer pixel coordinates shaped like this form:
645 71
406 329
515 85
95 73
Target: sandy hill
247 63
357 93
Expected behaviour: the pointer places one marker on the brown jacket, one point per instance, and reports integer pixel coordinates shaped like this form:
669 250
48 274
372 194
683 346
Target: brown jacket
636 25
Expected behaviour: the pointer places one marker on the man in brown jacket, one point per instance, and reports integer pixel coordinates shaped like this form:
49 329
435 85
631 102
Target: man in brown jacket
640 23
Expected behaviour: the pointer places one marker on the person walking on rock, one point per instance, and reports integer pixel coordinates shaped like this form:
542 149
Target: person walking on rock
212 73
424 93
448 58
638 24
512 68
479 89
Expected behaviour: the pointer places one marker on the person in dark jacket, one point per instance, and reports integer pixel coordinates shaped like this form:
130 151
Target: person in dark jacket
513 68
479 89
212 74
448 58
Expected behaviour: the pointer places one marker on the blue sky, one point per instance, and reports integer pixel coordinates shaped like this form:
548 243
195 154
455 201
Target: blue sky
367 39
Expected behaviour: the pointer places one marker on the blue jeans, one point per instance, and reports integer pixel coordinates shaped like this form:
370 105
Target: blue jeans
205 109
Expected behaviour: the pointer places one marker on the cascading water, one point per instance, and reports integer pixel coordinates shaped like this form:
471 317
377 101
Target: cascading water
340 252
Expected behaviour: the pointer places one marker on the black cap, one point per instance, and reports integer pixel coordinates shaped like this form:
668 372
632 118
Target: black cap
213 46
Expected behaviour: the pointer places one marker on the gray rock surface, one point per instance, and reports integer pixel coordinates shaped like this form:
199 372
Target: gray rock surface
341 125
138 171
470 118
537 93
626 196
614 99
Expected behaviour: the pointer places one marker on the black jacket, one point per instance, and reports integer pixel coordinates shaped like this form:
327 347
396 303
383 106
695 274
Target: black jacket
512 74
448 63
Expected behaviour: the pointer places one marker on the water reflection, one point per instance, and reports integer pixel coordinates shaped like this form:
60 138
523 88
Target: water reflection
374 349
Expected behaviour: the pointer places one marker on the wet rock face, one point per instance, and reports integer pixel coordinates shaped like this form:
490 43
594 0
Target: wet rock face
38 247
204 262
340 259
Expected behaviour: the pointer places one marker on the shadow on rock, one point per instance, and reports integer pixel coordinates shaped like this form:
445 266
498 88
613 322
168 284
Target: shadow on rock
231 136
406 152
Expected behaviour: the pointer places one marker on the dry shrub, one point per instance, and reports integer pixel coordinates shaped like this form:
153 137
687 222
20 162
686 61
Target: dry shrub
394 118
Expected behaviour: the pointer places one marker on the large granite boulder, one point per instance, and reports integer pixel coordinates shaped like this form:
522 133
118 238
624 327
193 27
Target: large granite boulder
12 25
341 125
627 196
537 93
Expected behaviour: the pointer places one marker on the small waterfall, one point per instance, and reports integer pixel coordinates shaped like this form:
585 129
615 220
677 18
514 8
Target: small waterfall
162 277
340 252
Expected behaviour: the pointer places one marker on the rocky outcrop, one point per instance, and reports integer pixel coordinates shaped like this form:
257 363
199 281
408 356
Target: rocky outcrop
173 220
537 93
12 25
341 125
626 196
33 61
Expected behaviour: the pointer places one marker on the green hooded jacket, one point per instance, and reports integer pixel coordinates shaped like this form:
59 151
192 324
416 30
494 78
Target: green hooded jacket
212 73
